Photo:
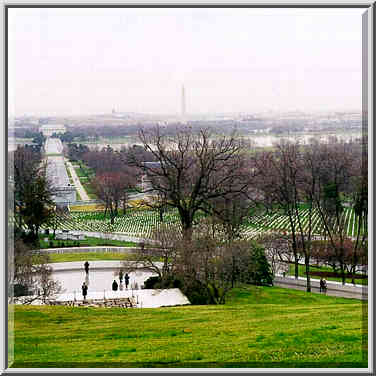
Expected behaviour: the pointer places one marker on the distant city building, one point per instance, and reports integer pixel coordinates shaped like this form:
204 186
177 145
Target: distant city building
43 121
49 129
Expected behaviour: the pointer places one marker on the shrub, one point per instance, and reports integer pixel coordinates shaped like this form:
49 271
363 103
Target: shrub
20 290
257 270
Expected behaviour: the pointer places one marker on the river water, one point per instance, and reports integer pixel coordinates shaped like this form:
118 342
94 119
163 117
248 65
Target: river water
262 140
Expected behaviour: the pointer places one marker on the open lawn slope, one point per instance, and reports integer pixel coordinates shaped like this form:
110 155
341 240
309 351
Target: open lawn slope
257 327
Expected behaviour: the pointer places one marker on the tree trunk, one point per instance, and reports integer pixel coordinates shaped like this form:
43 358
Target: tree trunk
352 271
343 276
37 235
233 272
186 223
294 246
296 272
161 214
112 214
307 274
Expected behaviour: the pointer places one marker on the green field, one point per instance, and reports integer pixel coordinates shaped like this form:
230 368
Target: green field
90 256
87 242
257 327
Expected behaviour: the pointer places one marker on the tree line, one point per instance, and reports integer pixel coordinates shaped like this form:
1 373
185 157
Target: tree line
217 181
222 177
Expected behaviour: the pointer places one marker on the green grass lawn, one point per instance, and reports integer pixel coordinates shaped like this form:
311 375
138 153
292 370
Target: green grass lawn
257 327
90 256
85 173
323 269
87 242
89 189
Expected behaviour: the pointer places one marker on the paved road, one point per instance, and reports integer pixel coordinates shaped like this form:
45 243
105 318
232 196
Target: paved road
77 183
333 288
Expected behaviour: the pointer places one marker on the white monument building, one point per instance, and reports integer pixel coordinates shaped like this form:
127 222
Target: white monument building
49 129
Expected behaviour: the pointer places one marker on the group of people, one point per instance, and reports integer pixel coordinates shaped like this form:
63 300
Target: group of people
121 276
114 284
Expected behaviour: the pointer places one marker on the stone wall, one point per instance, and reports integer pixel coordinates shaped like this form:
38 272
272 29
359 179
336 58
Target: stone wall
107 303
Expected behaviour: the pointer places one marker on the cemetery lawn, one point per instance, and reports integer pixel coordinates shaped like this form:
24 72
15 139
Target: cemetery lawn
87 242
257 327
90 256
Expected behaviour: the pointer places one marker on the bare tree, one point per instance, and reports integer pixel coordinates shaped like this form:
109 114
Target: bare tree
360 203
203 264
30 274
230 212
333 179
111 188
158 202
307 185
324 252
278 250
278 178
193 169
163 250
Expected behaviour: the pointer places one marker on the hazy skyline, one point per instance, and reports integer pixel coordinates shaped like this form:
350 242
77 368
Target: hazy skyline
80 61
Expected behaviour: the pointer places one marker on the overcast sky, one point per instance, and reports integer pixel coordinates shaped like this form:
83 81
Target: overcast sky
80 61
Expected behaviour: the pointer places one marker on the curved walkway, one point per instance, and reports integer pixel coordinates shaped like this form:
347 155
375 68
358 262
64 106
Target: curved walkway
99 280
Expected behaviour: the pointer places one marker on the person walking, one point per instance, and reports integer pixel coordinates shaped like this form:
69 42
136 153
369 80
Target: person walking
86 267
126 280
121 276
324 285
114 285
84 290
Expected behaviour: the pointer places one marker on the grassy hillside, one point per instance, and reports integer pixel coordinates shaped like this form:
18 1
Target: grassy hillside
258 327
